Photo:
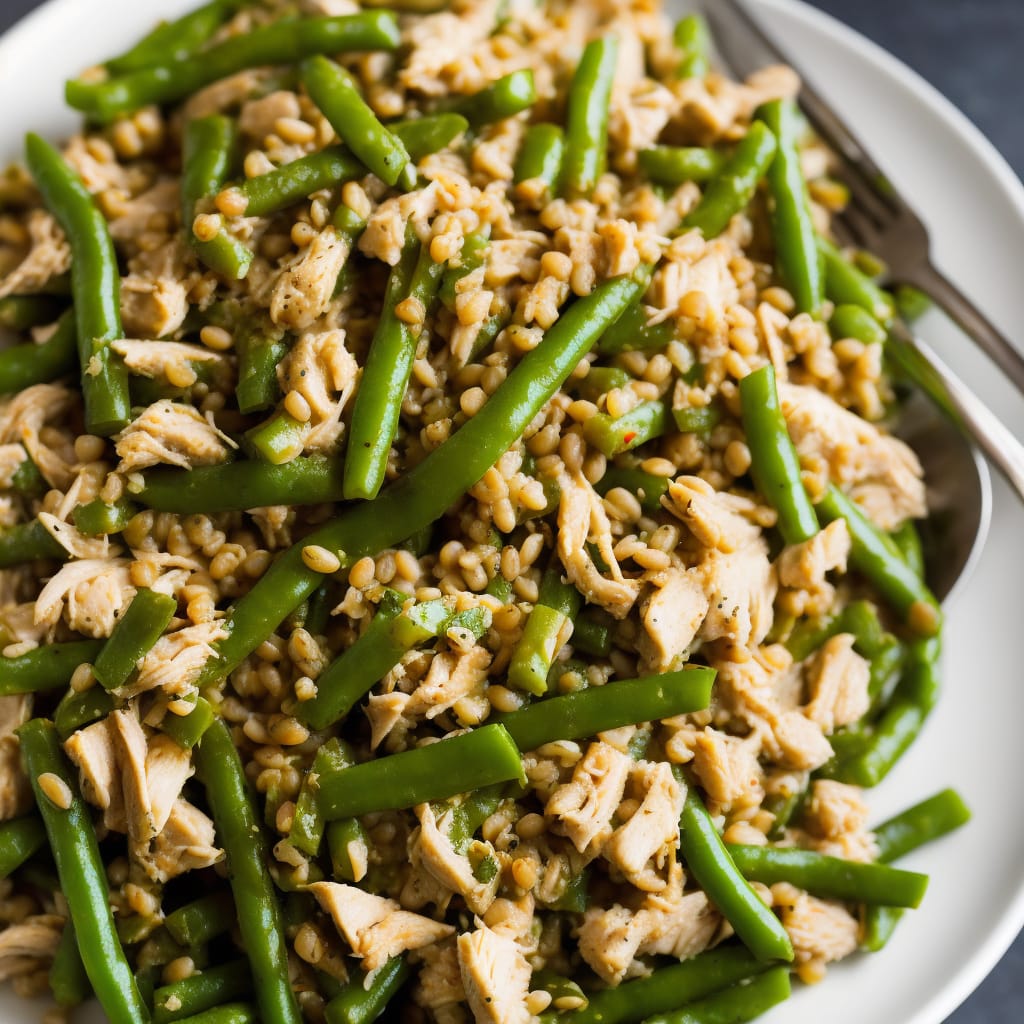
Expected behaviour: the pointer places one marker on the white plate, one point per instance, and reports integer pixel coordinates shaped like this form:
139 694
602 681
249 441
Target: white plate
974 206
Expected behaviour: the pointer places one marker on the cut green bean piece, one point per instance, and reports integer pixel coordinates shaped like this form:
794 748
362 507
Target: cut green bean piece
27 542
559 987
557 604
20 838
259 917
875 555
907 538
626 702
336 94
648 488
586 133
693 40
204 919
79 709
773 459
363 999
592 634
349 847
830 877
697 419
845 284
292 183
632 332
385 379
732 189
422 495
83 880
21 312
278 440
308 825
710 863
736 1004
95 284
49 667
459 764
28 481
21 366
187 730
930 819
135 633
98 519
422 136
675 165
506 97
613 435
665 989
541 155
599 381
258 356
68 981
202 991
849 321
281 42
229 1013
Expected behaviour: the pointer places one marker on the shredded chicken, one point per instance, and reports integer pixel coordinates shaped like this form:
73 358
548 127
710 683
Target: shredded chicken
48 257
838 683
91 594
15 793
175 661
820 930
173 434
496 977
304 291
29 945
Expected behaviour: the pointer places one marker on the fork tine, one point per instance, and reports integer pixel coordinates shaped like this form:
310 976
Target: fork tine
867 182
854 228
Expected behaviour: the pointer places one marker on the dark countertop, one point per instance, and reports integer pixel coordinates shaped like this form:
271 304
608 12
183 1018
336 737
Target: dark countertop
969 50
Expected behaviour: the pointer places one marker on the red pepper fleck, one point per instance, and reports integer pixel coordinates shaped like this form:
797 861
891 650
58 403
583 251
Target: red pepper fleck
630 437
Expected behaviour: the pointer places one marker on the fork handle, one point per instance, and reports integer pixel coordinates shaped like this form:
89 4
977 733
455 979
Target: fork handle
967 411
971 320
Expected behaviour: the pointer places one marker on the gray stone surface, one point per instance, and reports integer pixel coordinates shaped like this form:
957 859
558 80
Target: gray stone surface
969 50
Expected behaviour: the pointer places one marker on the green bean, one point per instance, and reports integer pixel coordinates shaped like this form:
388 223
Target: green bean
508 96
21 366
68 981
559 987
469 814
98 519
900 722
625 702
308 825
613 435
357 669
26 542
693 40
422 136
229 1013
28 481
209 146
830 877
341 836
174 39
773 459
425 492
593 635
710 863
733 1005
246 484
359 1003
541 155
202 991
49 667
95 283
20 838
83 880
665 989
796 248
886 668
336 94
281 42
472 256
846 285
731 190
697 419
21 312
135 633
911 303
78 709
259 917
458 764
293 182
599 381
278 440
557 603
648 488
783 807
204 919
673 166
259 352
586 132
908 540
385 379
849 321
930 819
876 556
187 730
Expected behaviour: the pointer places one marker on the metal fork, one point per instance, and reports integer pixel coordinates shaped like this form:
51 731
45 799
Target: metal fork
879 220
